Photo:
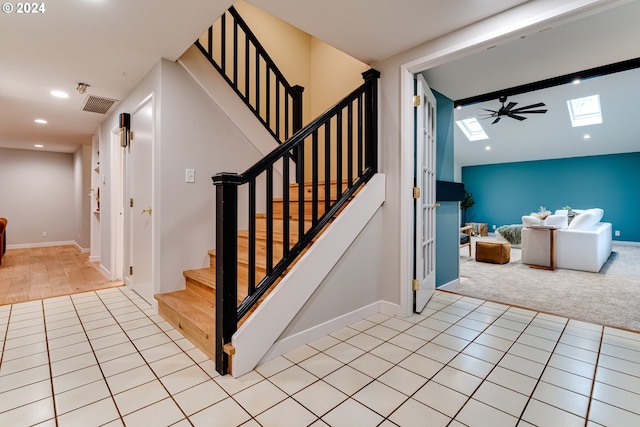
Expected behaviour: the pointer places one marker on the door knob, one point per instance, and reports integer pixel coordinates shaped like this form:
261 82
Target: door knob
148 210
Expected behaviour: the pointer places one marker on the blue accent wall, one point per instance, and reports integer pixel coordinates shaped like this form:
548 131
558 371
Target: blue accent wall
447 228
505 192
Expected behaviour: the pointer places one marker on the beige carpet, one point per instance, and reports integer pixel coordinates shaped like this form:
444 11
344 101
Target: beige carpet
610 297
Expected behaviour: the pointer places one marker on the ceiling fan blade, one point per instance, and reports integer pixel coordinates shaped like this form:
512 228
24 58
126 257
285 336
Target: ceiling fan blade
491 111
513 116
496 121
510 106
539 104
531 111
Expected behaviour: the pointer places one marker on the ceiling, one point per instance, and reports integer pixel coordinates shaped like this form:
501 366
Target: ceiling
607 37
112 44
109 44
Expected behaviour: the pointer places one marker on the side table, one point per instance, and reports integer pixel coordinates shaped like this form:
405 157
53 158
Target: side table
552 245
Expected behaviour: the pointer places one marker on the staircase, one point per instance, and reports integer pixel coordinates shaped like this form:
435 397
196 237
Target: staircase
193 310
248 265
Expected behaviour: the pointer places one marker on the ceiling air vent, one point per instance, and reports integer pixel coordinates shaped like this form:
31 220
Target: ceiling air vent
97 104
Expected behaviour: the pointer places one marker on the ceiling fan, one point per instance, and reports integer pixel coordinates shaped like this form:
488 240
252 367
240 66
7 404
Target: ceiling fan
514 113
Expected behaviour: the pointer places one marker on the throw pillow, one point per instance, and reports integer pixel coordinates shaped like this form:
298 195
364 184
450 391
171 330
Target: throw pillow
561 221
584 221
529 220
599 213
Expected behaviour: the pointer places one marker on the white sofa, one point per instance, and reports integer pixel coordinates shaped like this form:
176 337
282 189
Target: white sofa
584 244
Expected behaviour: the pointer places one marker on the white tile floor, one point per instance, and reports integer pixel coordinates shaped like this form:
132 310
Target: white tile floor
105 358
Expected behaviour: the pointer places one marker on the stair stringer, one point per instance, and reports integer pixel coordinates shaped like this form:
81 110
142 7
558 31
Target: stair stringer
214 85
258 334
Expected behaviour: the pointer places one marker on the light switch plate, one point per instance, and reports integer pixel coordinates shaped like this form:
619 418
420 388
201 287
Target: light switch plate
190 175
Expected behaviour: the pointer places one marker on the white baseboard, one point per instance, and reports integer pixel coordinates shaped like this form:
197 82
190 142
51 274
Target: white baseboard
42 245
81 249
106 273
623 243
312 334
94 258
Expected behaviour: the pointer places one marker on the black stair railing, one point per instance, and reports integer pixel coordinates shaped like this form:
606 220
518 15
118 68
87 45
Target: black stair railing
236 53
336 154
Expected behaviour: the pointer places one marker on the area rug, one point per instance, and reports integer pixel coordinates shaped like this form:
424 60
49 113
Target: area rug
610 297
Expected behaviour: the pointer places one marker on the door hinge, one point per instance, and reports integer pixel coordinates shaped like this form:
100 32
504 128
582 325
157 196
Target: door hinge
131 135
415 285
130 203
130 270
416 100
416 192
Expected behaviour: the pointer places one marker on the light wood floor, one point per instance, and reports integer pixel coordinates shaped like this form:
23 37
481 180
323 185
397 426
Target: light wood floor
36 273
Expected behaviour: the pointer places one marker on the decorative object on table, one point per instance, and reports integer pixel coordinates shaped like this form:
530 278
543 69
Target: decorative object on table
542 213
465 204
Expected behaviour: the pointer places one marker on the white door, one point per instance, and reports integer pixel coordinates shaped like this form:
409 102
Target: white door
141 213
117 207
425 181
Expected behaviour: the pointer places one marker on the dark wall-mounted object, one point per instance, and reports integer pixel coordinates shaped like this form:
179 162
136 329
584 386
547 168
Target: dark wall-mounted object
447 191
125 128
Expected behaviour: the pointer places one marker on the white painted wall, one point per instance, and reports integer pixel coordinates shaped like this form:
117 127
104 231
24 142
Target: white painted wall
191 131
196 134
38 195
352 284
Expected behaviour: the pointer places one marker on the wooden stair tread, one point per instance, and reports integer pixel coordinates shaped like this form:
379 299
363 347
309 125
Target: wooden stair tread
206 276
200 313
192 310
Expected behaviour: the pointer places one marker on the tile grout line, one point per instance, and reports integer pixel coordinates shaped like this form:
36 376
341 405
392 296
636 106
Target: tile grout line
546 365
138 351
470 397
186 417
104 378
46 339
6 333
595 371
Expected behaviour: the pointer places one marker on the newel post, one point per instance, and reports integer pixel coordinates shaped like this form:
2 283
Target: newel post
371 77
226 264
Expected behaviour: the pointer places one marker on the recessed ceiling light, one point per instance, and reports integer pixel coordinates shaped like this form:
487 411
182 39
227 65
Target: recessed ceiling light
38 145
59 94
587 136
576 81
488 148
41 121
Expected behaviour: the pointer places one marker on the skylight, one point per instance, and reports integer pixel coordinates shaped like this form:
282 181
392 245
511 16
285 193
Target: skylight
472 129
585 111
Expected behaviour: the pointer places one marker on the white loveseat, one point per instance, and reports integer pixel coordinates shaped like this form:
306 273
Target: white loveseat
584 244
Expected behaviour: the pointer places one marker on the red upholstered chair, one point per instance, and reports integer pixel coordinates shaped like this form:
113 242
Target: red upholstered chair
3 237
